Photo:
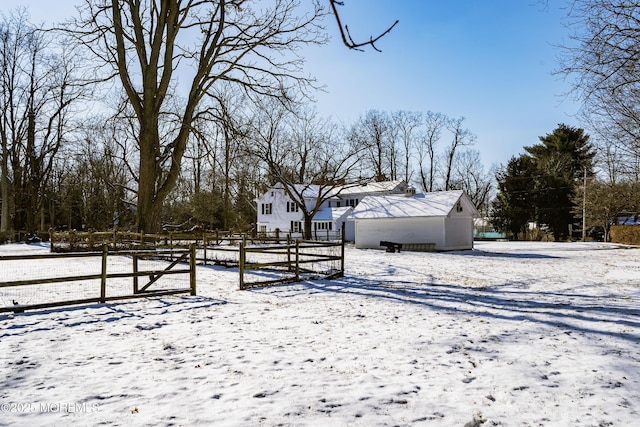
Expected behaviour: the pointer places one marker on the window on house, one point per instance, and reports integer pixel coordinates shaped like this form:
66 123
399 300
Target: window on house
292 207
323 225
262 229
267 208
459 207
296 226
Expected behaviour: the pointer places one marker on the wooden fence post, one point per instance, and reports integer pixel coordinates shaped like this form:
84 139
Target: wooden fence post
289 267
134 258
103 279
192 268
342 242
205 242
297 260
52 243
241 261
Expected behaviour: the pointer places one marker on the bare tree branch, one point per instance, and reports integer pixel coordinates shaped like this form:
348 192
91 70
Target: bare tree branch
346 35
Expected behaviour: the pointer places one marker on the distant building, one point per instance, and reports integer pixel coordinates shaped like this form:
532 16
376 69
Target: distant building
277 211
438 221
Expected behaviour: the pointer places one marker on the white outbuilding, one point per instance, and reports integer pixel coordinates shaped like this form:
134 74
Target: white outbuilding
440 221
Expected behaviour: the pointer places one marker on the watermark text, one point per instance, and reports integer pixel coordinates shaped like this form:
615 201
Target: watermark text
50 407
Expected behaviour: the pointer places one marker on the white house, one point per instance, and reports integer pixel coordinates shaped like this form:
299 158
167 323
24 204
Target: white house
439 221
277 211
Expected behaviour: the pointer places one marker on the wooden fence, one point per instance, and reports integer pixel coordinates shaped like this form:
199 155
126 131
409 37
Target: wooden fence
139 288
74 241
290 261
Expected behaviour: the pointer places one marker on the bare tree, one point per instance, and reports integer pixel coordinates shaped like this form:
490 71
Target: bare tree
605 201
304 154
406 124
150 44
469 175
92 181
345 34
604 66
233 129
372 133
460 137
37 89
434 124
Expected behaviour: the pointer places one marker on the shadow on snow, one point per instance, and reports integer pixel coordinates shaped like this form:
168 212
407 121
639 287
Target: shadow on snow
586 313
87 314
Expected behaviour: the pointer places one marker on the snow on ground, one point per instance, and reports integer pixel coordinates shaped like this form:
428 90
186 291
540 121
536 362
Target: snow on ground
511 333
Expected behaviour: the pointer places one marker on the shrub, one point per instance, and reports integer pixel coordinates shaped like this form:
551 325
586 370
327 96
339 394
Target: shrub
625 234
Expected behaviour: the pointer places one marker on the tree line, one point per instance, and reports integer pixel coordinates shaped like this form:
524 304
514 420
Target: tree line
97 133
136 114
562 187
593 177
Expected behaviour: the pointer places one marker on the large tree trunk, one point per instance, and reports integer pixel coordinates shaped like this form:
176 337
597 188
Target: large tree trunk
4 187
32 176
308 233
147 213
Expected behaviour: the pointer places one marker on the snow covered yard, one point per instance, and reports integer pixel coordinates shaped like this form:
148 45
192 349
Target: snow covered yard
509 334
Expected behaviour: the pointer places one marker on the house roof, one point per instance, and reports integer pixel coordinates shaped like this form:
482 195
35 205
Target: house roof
439 203
628 220
332 214
311 191
373 187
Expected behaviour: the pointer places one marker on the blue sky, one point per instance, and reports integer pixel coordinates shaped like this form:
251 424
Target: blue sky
489 61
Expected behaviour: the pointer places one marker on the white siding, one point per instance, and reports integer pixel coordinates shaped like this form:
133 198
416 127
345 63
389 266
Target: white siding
350 230
459 233
370 232
447 233
279 217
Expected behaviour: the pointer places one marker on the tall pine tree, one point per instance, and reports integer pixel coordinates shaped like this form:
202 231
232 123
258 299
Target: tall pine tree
561 159
514 205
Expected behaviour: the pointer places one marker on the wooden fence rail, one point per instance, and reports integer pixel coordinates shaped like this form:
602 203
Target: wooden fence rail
72 241
291 260
187 256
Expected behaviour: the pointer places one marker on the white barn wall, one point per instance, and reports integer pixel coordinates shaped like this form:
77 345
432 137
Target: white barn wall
350 230
370 232
459 233
442 219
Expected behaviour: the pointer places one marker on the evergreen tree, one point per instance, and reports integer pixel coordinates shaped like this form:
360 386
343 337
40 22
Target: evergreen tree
561 160
514 205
